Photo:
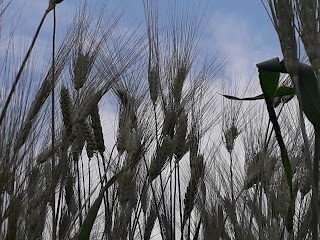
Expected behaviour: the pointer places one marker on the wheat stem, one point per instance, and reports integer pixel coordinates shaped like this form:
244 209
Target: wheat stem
54 218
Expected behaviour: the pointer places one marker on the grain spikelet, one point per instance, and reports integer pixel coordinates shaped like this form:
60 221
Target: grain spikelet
66 109
197 171
126 187
162 154
305 185
143 199
124 128
230 135
81 69
197 167
178 83
69 195
121 141
33 181
193 141
170 120
89 137
153 78
259 168
180 136
87 104
307 12
25 131
97 129
78 142
127 124
133 144
189 199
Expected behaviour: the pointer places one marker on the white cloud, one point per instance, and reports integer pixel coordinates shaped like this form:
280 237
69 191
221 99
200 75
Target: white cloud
244 46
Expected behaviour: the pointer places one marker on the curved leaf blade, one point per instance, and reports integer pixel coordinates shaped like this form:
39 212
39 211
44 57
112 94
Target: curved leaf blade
280 92
84 233
268 83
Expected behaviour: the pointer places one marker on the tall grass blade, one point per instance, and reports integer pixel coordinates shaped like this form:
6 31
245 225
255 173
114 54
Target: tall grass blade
86 228
269 84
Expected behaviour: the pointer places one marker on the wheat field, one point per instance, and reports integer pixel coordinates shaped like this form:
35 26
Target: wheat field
125 134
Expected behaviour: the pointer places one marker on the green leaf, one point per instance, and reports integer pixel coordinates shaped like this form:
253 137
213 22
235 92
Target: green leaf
84 232
285 91
259 97
271 65
269 83
281 92
308 87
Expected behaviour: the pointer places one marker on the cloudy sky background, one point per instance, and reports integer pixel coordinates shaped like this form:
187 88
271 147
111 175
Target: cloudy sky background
240 29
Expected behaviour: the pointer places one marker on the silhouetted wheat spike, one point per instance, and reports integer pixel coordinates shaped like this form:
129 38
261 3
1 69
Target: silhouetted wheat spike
163 154
197 171
153 79
66 109
126 187
178 83
97 129
82 68
90 139
180 136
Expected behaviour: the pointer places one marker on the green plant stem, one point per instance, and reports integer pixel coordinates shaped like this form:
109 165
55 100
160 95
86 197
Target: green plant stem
136 219
79 191
179 195
172 207
315 214
314 184
174 195
156 123
54 218
162 197
154 199
231 177
105 200
89 182
83 183
86 228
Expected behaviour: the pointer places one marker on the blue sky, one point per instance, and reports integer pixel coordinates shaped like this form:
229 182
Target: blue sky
240 29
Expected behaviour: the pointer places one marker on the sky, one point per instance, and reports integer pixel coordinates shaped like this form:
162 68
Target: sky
240 29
